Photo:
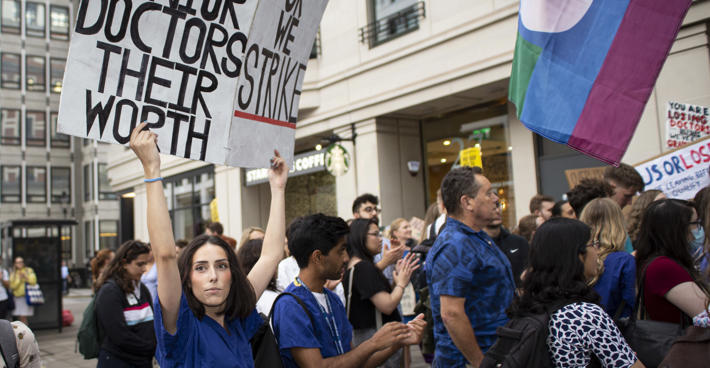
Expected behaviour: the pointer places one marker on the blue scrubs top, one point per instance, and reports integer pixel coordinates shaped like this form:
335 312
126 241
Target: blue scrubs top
293 328
204 343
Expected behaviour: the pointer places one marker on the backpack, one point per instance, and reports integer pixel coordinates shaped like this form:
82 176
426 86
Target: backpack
90 335
8 345
428 344
522 342
264 346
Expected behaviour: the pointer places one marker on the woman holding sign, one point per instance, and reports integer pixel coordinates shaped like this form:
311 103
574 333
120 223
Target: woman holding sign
206 312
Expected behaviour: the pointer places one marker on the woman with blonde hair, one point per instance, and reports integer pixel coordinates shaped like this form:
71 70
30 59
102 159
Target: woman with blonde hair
633 219
617 282
251 233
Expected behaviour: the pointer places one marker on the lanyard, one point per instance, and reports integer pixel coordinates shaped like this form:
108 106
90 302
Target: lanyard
329 318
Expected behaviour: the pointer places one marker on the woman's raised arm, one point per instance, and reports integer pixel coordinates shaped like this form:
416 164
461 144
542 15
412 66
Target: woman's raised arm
160 229
272 250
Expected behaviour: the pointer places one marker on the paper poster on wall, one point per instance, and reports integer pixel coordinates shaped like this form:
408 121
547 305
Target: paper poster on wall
685 123
179 64
680 173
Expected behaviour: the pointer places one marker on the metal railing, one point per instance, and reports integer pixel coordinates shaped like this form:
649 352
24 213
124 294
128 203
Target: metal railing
393 26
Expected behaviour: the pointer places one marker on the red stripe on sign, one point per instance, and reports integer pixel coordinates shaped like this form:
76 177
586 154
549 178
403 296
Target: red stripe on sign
248 116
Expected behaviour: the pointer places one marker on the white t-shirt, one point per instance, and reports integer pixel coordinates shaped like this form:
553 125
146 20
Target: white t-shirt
320 297
263 305
288 270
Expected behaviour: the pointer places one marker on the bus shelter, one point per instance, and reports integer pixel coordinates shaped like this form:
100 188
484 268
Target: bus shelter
39 243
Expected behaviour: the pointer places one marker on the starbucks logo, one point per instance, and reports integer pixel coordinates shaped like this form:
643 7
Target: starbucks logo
337 160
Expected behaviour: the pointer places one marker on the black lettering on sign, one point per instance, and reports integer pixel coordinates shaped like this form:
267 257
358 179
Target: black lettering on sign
123 25
253 53
138 74
81 26
99 111
108 50
117 120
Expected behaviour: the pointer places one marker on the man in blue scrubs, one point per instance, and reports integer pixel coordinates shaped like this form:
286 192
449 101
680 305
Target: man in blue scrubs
318 245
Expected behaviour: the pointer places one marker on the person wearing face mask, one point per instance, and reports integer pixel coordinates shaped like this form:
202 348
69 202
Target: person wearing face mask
664 268
124 309
701 242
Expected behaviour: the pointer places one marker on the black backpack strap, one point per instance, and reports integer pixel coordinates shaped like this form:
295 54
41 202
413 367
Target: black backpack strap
619 310
8 344
300 302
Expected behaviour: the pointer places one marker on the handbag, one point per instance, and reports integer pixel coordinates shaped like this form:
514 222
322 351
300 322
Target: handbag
651 340
689 350
33 294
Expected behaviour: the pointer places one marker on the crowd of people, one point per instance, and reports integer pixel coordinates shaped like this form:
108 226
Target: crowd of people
344 293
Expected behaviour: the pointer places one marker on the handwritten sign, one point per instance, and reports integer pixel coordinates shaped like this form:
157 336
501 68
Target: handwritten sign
686 123
195 70
680 173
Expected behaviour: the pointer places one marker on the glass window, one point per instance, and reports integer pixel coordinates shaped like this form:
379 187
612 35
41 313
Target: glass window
88 182
36 184
188 197
11 188
10 126
56 74
61 185
105 191
35 78
11 20
58 139
11 72
393 18
89 238
59 22
486 128
34 19
36 125
108 234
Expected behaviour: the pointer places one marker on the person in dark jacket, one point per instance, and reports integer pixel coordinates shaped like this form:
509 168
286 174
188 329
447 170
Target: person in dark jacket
514 247
124 310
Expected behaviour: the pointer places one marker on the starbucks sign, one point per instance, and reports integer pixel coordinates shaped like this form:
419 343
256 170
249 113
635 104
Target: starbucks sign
337 160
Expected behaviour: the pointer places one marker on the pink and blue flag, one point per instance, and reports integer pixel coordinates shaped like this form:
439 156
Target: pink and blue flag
584 70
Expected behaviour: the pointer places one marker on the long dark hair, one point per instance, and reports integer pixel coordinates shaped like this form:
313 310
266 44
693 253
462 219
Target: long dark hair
664 232
125 254
248 254
556 273
241 299
357 239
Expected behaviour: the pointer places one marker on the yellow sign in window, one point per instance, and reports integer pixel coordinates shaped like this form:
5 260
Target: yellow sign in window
471 157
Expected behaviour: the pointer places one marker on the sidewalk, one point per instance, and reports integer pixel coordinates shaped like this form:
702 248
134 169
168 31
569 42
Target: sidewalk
57 349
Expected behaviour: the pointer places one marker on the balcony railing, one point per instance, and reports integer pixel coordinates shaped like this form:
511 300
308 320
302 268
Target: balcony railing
393 26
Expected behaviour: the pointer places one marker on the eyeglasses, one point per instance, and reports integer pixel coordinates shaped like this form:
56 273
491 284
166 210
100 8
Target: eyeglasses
372 209
375 234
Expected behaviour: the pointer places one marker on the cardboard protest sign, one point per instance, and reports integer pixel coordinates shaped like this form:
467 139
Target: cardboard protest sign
686 123
680 173
177 64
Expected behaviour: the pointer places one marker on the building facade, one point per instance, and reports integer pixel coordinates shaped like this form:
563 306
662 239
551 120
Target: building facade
404 85
46 174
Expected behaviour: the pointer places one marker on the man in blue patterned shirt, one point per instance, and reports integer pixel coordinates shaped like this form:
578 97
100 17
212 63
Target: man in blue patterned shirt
470 279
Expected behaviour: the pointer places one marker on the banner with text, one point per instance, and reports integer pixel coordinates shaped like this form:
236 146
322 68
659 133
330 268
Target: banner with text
680 173
177 64
685 124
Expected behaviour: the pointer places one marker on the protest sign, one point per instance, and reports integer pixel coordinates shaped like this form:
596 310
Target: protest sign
177 64
685 123
680 173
